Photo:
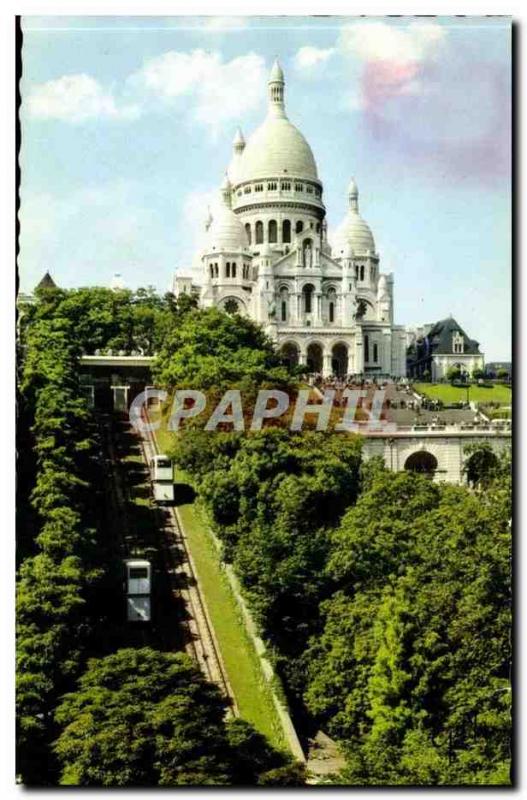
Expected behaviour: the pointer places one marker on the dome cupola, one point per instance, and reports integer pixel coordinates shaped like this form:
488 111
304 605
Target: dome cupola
353 232
276 149
225 232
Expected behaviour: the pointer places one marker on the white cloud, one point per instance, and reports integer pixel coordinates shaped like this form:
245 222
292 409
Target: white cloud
216 90
308 57
220 90
75 99
378 41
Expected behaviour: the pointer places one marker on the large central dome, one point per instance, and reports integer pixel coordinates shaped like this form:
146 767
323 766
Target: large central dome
276 149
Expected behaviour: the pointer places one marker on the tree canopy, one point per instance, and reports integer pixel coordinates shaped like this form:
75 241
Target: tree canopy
213 349
411 671
145 718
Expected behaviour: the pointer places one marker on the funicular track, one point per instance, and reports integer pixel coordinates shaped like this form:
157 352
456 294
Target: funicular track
184 580
176 559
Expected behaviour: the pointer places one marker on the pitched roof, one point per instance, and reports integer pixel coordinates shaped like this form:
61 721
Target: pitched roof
440 338
46 282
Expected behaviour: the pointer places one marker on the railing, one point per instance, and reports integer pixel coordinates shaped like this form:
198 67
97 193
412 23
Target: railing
449 430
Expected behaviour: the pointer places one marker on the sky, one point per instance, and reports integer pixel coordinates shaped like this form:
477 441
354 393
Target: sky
127 126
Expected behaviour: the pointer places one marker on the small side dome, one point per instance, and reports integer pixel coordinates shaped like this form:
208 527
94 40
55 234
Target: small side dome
354 230
226 232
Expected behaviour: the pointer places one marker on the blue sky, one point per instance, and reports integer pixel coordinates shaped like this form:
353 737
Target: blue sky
127 124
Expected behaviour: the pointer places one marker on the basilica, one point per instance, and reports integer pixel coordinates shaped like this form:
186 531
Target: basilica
265 254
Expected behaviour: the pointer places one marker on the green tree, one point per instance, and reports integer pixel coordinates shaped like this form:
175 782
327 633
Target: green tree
255 762
210 348
143 718
454 374
146 718
483 466
411 668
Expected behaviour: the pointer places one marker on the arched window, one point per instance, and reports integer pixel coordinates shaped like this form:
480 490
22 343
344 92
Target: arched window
286 231
248 232
423 462
284 298
375 353
273 232
228 269
332 312
217 269
259 232
307 291
356 272
233 269
362 272
366 348
299 227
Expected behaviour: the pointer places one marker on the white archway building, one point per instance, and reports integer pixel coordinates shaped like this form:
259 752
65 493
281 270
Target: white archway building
265 253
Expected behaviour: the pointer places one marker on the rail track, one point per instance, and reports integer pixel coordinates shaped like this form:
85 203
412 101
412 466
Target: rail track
184 584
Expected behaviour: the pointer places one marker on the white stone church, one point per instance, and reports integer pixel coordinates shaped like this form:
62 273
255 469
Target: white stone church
265 254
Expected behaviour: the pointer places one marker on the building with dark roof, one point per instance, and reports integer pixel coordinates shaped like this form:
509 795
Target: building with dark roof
46 282
444 345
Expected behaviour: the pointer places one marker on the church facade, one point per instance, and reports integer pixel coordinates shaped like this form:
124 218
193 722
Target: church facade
266 254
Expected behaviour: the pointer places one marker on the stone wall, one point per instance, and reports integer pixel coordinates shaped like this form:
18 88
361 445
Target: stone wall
448 450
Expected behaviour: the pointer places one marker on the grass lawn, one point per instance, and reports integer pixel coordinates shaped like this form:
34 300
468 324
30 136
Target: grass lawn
250 688
453 394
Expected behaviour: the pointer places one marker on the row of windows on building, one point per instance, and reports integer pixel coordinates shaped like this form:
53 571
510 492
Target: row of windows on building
361 272
307 309
272 231
307 302
285 186
230 270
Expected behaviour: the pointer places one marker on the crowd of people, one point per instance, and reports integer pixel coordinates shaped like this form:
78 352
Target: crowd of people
400 396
